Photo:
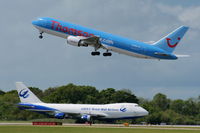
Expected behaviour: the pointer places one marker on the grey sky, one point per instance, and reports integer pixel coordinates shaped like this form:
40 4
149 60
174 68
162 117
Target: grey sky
52 62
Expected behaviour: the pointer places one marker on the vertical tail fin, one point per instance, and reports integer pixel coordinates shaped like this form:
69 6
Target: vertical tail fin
169 42
25 95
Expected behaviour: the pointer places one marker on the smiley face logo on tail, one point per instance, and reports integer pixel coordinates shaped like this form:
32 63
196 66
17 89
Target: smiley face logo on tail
172 45
23 93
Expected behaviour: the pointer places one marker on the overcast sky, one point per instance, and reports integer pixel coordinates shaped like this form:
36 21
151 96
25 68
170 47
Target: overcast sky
52 62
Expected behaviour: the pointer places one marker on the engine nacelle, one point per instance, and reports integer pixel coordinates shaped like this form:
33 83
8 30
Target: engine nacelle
60 115
76 41
86 117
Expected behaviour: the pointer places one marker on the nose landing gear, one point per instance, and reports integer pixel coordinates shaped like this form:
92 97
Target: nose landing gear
41 36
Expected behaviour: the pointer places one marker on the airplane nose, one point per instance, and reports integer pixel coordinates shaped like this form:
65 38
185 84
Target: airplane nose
35 22
145 112
41 22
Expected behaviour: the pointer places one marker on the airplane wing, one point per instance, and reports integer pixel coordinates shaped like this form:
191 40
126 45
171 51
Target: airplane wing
94 115
94 41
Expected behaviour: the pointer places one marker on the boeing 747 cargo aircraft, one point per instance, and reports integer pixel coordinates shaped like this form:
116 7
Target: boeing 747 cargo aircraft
86 112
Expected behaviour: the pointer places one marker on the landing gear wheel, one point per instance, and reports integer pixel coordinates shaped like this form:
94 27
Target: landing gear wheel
95 53
40 36
107 54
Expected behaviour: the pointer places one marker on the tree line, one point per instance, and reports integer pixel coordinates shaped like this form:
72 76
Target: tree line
161 109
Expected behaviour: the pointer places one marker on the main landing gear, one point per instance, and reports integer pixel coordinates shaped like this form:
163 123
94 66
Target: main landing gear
107 54
41 36
95 53
98 53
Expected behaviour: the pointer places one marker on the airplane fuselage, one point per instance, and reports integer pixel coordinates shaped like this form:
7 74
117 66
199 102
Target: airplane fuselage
29 101
109 41
104 111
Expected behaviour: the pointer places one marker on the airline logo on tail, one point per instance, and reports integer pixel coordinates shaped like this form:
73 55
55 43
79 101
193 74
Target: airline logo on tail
172 45
23 93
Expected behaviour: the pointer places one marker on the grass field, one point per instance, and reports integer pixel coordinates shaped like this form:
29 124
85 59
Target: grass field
59 129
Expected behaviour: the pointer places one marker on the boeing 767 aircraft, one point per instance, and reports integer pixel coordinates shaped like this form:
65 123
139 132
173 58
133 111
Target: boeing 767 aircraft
86 112
81 36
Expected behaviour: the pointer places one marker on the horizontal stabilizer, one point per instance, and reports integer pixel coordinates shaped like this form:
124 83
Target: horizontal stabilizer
182 55
161 54
150 42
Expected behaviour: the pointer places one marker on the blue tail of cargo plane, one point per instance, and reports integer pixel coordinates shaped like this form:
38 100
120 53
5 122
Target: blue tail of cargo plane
171 39
81 36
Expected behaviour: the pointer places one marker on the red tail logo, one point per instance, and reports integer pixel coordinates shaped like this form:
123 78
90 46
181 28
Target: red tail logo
172 45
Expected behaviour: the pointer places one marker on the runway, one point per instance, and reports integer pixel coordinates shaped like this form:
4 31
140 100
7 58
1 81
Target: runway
165 127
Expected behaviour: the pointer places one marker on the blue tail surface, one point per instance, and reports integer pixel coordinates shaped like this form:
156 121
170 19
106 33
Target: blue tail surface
169 42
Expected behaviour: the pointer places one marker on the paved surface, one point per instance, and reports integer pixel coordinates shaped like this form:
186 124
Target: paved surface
166 127
22 124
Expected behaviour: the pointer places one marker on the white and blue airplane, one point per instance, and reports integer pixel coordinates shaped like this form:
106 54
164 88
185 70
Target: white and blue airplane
81 36
86 112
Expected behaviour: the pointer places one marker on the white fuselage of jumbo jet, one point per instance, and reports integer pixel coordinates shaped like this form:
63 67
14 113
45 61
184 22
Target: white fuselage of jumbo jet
102 111
87 112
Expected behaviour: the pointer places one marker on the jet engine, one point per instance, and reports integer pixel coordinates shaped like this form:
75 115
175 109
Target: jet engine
60 115
76 41
86 117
